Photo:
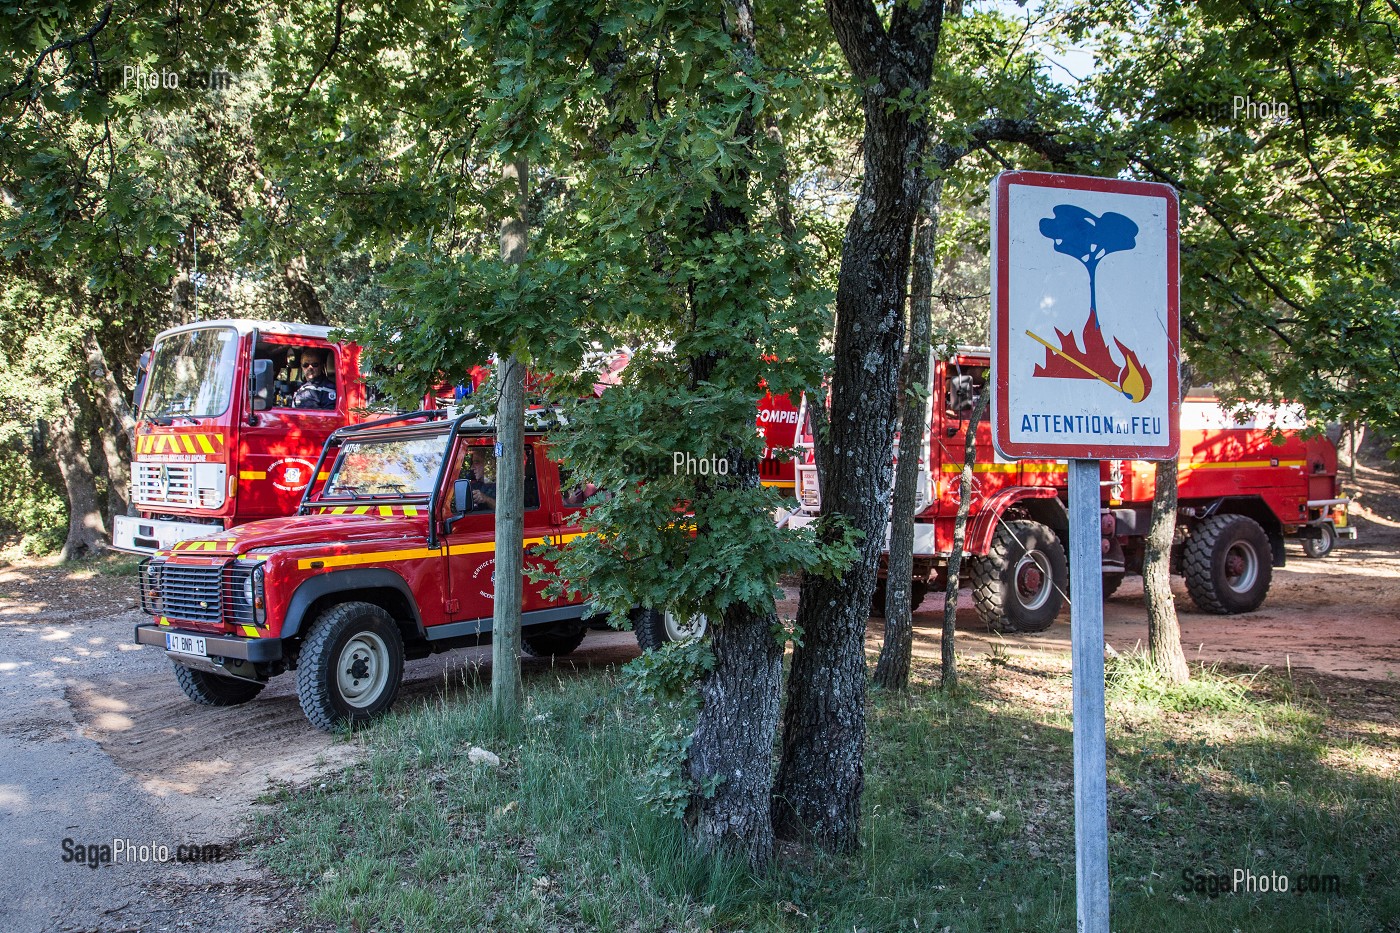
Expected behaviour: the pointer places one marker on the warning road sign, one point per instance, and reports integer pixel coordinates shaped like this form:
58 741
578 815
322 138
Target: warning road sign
1085 339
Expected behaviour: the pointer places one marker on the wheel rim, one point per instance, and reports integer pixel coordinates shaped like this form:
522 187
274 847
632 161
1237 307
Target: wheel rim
1241 567
679 631
362 670
1033 580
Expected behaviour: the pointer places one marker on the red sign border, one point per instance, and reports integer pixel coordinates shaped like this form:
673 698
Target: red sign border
1000 339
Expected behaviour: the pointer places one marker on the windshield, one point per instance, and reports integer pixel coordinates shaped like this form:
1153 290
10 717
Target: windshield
403 467
191 374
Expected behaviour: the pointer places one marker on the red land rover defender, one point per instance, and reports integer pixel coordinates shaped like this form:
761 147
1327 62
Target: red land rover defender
390 556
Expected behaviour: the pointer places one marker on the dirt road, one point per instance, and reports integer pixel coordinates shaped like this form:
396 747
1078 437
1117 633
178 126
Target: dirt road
97 742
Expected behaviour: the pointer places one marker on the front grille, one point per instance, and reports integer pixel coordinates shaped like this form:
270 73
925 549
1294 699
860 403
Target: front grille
179 592
155 484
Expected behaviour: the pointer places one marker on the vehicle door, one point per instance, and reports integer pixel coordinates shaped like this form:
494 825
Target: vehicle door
959 389
278 447
471 544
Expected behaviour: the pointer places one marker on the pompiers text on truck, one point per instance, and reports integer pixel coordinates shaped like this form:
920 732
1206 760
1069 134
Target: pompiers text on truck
232 415
1245 486
390 556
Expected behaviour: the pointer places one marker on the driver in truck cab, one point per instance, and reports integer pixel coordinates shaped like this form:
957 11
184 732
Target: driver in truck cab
317 389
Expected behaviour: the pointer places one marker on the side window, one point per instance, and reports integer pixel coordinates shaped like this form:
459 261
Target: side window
578 494
305 376
479 468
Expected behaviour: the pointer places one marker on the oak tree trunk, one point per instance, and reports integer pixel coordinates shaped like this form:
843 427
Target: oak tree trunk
510 485
117 425
1163 628
821 772
892 670
733 737
86 532
949 659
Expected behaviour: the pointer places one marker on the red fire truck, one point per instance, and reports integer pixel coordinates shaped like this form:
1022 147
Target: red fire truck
1245 486
391 556
222 437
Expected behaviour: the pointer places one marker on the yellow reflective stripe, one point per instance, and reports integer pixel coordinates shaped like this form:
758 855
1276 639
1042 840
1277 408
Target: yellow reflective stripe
984 467
338 510
386 510
1242 465
410 510
346 560
204 445
188 442
362 510
781 483
323 474
250 631
252 474
162 621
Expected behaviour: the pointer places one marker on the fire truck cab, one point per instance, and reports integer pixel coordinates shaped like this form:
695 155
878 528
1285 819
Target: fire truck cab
231 415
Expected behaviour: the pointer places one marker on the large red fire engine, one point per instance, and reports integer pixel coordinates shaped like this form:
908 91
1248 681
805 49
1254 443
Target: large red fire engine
1245 486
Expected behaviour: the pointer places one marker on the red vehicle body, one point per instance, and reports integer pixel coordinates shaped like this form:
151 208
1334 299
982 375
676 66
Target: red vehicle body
1244 487
390 556
217 441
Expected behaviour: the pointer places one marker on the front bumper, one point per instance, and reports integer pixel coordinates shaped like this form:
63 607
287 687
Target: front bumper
252 650
148 535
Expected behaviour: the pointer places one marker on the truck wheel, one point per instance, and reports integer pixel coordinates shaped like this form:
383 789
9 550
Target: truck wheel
215 689
1228 564
1111 582
1321 547
655 628
554 644
917 591
350 665
1019 585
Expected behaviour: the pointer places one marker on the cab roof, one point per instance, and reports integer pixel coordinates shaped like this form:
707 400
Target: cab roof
245 326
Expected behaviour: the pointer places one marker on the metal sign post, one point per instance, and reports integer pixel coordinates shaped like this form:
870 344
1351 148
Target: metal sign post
1086 660
1084 368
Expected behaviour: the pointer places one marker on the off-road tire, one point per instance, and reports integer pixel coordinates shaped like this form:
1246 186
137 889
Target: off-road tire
327 697
1321 547
652 631
1002 605
917 591
555 644
214 689
1111 582
1228 564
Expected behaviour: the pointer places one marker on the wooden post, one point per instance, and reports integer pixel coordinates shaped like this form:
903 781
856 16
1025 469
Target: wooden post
510 484
1086 636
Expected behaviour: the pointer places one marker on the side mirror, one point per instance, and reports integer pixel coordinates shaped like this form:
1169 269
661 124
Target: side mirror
461 497
143 370
262 385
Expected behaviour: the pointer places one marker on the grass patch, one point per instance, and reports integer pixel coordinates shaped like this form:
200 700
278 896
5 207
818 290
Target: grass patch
968 818
1133 677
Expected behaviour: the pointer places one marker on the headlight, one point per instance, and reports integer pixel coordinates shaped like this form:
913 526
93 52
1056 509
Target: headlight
256 595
